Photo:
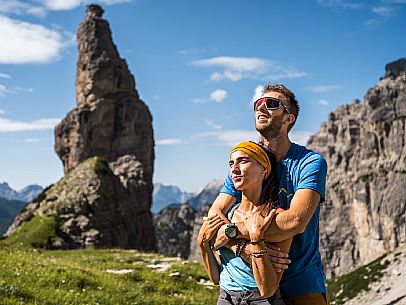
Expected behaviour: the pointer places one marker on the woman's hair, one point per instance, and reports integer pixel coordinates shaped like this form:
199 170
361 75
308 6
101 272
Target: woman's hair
270 186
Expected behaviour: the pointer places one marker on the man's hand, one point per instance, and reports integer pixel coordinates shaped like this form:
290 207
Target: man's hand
256 224
279 259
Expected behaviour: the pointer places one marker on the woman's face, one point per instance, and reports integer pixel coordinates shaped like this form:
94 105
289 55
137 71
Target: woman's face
245 171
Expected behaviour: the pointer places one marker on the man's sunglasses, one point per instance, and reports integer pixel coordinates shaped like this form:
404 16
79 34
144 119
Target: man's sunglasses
271 103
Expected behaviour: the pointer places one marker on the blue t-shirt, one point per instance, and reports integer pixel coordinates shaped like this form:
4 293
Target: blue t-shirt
301 168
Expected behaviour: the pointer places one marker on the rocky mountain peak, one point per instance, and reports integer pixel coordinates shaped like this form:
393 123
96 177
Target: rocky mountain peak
364 146
394 69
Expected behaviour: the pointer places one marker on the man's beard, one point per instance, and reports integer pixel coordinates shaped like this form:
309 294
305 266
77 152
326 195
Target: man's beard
271 130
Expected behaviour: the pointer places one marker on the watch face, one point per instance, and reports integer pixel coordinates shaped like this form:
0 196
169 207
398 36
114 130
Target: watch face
231 231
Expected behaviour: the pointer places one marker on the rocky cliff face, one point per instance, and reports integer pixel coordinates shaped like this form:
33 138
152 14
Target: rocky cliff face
111 123
178 225
364 145
173 228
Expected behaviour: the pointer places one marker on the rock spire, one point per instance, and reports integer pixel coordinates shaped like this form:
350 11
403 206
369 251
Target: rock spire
107 149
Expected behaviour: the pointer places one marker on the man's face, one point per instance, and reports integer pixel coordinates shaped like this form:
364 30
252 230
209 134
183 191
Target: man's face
269 122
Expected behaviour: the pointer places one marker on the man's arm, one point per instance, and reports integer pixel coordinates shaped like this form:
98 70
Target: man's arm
293 221
221 205
288 223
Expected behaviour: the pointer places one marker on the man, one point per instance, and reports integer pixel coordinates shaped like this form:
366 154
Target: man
302 175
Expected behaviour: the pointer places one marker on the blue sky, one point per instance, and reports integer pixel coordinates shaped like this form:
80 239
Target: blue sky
197 65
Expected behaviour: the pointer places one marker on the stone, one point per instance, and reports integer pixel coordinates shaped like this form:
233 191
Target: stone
113 127
364 146
173 229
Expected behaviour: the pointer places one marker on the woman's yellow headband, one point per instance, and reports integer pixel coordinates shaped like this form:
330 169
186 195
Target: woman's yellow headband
257 152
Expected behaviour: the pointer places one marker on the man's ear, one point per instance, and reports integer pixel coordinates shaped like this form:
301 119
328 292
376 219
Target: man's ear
290 119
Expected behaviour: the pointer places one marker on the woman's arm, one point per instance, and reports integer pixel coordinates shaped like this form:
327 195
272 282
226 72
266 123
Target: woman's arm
264 272
265 275
221 205
206 234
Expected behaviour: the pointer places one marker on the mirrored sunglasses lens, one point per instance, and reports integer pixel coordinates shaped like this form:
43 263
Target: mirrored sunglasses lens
272 103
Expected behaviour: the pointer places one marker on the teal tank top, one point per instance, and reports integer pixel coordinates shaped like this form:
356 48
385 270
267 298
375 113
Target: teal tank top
235 274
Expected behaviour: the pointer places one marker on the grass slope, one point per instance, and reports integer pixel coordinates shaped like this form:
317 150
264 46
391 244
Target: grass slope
30 276
37 276
348 286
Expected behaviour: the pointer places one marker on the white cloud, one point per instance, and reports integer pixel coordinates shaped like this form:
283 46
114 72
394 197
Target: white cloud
384 11
29 140
233 137
3 90
257 94
342 3
300 137
218 95
230 137
212 124
20 8
2 111
237 68
323 88
14 90
28 42
7 125
199 101
322 102
4 75
58 5
61 4
170 141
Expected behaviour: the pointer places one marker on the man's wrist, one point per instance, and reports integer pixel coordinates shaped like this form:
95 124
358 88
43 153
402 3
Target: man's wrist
255 237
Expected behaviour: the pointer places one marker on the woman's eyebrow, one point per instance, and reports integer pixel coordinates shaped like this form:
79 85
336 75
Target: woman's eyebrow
242 158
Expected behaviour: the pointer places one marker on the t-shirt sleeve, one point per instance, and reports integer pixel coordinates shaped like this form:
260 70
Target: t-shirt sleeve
228 188
313 175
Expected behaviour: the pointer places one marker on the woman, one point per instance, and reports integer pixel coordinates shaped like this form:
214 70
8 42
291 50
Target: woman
251 279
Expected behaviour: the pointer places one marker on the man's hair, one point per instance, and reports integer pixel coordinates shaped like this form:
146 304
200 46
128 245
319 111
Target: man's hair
293 104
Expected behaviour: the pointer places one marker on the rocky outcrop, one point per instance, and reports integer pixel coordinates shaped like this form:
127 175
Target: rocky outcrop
173 228
364 145
89 207
197 224
111 123
202 202
177 226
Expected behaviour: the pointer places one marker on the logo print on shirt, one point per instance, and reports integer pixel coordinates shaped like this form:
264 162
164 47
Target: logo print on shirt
282 190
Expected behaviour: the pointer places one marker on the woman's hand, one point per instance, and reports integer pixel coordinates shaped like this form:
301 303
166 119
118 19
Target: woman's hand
257 225
210 228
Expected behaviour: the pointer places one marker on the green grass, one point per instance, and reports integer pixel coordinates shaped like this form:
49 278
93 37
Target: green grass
38 233
29 276
45 277
348 286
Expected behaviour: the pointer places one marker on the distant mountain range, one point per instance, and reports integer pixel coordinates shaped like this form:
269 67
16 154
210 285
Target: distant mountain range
170 195
26 194
164 195
12 202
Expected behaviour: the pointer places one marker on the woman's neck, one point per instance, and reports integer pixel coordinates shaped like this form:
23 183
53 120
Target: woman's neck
250 199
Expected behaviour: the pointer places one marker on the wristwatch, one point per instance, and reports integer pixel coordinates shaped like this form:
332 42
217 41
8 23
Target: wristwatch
231 231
